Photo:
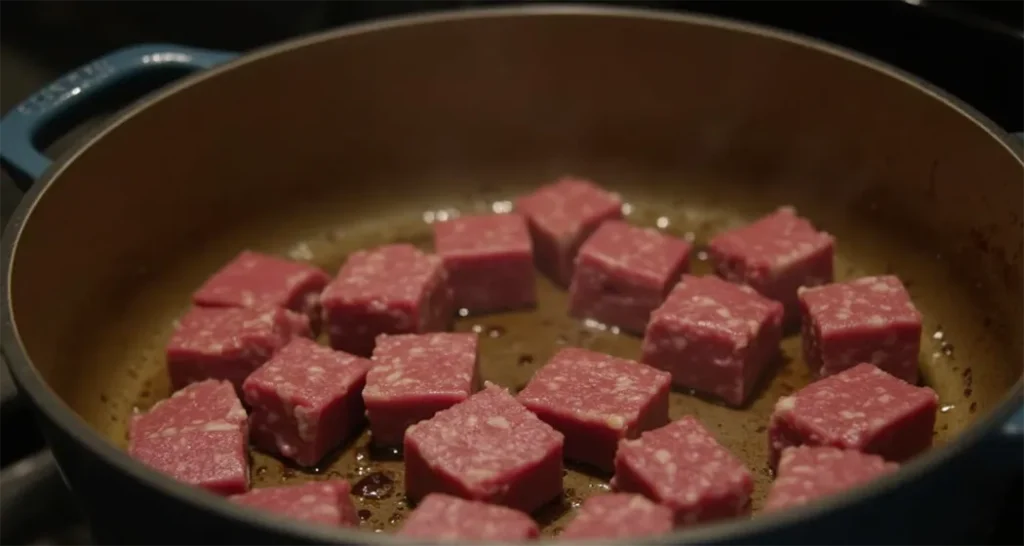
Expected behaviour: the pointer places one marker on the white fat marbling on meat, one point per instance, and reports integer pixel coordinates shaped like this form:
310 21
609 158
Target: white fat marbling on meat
786 403
499 422
305 423
219 426
615 421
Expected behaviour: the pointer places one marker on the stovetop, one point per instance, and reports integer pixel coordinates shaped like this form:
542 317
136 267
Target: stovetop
972 49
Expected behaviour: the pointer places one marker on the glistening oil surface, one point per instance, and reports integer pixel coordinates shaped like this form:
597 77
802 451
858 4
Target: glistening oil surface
513 345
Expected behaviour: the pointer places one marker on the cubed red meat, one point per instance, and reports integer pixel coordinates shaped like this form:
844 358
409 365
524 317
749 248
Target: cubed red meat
229 343
392 289
619 515
326 502
414 376
489 260
489 448
860 408
775 255
561 216
683 467
867 320
595 400
197 436
443 517
306 401
258 280
622 273
807 473
714 336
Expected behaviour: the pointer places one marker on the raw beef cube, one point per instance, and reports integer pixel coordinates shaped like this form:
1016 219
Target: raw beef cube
199 403
197 436
443 517
806 473
561 216
414 376
259 280
316 502
229 343
867 320
488 448
392 289
306 401
683 467
619 515
776 255
714 336
623 273
861 408
595 400
489 260
214 459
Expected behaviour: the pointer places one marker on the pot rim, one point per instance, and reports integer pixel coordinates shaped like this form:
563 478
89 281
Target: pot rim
56 410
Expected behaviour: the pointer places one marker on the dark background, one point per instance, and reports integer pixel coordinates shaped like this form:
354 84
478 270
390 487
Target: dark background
972 49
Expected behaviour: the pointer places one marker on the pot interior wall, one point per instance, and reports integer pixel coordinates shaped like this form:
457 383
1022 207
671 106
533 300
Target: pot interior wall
349 141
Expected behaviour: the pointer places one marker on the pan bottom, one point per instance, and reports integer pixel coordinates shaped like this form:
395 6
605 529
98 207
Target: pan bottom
122 368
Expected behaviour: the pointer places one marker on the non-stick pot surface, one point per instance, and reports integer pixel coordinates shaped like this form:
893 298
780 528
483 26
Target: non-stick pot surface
356 138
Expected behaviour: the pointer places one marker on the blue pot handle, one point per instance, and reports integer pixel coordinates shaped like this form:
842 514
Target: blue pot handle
62 99
66 96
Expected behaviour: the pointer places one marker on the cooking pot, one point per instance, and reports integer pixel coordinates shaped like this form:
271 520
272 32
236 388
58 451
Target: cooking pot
364 135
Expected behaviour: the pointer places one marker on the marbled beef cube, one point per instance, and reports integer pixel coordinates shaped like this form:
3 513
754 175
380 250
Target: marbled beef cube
325 502
229 343
595 400
619 515
683 467
807 473
488 448
775 255
623 273
306 401
443 517
209 401
489 260
861 408
714 336
867 320
561 216
197 436
392 289
414 376
258 280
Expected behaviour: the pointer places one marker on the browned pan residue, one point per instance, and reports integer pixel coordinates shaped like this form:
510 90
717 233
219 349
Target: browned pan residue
513 345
